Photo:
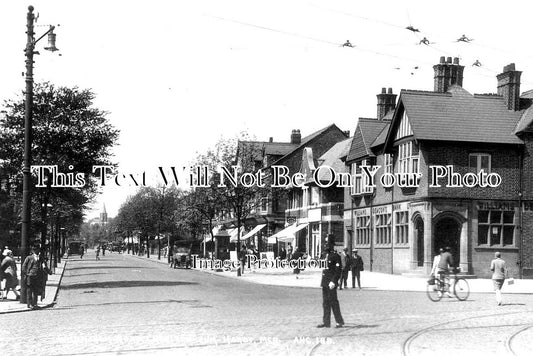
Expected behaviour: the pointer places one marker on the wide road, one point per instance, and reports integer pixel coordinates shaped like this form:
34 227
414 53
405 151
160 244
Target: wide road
124 305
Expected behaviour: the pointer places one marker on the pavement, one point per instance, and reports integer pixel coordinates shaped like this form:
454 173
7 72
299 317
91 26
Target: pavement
11 305
308 278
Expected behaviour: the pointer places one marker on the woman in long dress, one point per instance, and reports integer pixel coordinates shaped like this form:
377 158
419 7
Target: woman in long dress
9 267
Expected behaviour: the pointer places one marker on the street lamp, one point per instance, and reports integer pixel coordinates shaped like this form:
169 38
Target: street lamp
28 116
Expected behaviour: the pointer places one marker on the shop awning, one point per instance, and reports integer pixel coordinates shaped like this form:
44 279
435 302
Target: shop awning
254 231
288 234
233 234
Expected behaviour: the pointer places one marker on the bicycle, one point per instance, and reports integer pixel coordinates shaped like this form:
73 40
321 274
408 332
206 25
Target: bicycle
436 287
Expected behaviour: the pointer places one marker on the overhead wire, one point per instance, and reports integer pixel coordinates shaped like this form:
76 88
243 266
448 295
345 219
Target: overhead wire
360 47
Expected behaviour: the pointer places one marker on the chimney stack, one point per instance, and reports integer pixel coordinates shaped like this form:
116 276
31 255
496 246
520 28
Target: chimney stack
347 133
296 137
447 73
509 86
386 102
271 139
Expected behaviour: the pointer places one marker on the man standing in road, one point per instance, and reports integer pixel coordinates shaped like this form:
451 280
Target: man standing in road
499 272
357 266
330 277
346 261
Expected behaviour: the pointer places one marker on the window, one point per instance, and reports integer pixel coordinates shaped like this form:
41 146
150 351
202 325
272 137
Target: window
496 227
383 228
362 227
314 195
479 161
402 227
388 163
361 184
264 204
408 157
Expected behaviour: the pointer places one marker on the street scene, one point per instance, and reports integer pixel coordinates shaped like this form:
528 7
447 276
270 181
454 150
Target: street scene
125 304
266 177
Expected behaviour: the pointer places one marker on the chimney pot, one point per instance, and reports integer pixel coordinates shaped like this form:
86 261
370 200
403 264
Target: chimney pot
347 133
271 139
296 137
447 74
509 86
509 68
386 103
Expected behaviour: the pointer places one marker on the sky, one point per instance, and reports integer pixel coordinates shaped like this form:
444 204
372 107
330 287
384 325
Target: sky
175 76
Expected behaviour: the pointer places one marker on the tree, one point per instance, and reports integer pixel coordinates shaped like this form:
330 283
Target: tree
238 157
150 212
68 132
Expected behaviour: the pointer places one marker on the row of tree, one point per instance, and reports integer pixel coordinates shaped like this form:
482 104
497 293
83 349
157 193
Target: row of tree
68 132
72 135
193 213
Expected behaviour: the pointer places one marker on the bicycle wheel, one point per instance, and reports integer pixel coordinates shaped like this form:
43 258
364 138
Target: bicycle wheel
461 289
434 291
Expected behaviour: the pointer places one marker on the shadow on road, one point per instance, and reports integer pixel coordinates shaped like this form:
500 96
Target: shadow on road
84 274
346 326
194 303
108 267
125 284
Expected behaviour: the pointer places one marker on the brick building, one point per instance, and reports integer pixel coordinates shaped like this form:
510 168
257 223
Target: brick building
269 216
420 141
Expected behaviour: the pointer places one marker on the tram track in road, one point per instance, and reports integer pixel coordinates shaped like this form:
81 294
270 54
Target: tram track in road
406 345
509 341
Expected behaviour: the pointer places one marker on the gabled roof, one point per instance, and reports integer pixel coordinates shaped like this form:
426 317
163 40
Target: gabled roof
334 158
271 148
457 116
380 140
365 133
305 141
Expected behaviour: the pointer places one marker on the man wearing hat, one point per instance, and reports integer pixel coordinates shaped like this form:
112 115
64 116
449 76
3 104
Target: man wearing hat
31 272
329 283
357 266
346 262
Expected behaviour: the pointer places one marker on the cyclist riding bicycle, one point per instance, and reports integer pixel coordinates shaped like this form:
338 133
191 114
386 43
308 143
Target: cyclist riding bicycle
445 267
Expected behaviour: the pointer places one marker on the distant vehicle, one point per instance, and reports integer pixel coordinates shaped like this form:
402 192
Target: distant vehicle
75 247
182 257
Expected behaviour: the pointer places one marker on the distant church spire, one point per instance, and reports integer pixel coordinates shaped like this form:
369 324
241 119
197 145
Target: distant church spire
103 215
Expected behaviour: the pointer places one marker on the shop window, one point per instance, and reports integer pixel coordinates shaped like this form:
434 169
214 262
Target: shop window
383 228
496 228
362 227
402 227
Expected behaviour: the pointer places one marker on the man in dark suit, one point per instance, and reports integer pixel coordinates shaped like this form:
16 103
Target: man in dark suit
357 266
31 272
329 284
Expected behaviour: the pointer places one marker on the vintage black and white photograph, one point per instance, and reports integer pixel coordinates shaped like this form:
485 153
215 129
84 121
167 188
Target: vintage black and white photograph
253 177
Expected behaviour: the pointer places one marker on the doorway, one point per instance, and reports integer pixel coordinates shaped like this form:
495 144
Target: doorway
448 234
419 230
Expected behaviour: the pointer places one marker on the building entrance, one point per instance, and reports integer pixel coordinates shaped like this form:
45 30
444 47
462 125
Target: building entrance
419 231
448 234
